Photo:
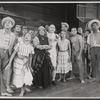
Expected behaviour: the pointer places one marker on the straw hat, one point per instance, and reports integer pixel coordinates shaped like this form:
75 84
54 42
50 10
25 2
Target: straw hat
66 24
41 27
7 19
93 21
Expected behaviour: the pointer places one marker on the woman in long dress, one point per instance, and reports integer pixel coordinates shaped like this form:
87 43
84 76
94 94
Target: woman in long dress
41 62
22 64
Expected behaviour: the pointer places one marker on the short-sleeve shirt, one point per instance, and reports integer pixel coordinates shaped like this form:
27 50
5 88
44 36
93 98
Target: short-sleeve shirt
63 45
6 40
23 49
91 40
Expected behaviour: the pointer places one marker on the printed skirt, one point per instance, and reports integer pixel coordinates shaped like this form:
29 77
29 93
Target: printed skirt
63 64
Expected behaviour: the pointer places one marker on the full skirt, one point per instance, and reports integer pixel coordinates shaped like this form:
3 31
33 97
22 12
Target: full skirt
63 65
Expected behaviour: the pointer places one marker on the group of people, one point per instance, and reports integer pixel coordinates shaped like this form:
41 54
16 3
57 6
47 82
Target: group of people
34 59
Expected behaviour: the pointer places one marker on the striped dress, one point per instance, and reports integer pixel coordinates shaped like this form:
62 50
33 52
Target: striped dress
21 71
63 65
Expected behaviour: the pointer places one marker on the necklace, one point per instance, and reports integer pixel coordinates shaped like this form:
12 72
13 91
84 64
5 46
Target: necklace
42 38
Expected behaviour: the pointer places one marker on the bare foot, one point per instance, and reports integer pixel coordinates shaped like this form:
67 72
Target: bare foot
22 93
59 80
27 89
64 80
10 90
6 94
70 78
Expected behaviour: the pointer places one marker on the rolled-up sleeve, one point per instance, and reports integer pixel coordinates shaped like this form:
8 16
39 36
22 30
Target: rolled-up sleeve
88 40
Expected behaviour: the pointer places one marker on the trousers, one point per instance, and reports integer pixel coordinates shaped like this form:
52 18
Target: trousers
5 74
95 62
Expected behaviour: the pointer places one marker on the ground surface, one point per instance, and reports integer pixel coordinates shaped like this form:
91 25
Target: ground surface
71 88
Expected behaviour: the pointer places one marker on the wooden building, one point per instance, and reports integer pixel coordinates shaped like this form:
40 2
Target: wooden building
43 13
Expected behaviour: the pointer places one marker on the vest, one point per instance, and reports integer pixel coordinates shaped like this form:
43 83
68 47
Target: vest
43 40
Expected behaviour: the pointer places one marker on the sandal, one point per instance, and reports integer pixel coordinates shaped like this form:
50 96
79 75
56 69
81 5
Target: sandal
6 94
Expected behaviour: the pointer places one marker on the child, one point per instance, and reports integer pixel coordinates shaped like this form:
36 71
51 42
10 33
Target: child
22 63
64 53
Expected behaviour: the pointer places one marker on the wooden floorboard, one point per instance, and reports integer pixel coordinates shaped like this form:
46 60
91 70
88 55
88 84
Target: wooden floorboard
69 89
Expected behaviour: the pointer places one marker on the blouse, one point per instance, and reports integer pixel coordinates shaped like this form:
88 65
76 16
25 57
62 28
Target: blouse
24 49
63 45
92 40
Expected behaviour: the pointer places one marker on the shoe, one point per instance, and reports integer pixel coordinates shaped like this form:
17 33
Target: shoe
6 94
54 83
9 90
93 80
82 81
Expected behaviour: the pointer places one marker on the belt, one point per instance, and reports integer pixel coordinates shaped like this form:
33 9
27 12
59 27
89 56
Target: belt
5 50
63 50
95 47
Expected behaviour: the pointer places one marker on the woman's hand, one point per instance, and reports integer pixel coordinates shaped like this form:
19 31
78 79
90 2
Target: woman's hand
8 66
47 47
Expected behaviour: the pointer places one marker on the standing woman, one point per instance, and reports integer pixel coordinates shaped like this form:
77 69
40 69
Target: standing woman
41 60
22 64
53 39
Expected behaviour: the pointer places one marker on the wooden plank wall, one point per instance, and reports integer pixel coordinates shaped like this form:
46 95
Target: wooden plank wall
40 14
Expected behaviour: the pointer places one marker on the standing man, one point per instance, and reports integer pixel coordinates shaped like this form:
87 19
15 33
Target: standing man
80 32
65 27
86 60
24 31
6 45
94 48
77 49
17 31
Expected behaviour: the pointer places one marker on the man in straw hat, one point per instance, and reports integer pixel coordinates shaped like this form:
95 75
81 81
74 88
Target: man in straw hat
65 27
6 45
94 48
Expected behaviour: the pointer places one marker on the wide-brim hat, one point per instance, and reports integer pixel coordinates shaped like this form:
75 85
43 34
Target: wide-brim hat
24 27
41 27
7 19
93 21
66 24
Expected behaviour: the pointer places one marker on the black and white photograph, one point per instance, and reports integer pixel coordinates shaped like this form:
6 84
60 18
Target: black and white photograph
50 49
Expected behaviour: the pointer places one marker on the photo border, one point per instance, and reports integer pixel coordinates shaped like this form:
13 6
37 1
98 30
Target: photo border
48 1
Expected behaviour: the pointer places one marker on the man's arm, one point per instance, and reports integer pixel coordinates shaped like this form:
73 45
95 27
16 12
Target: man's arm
81 43
89 45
